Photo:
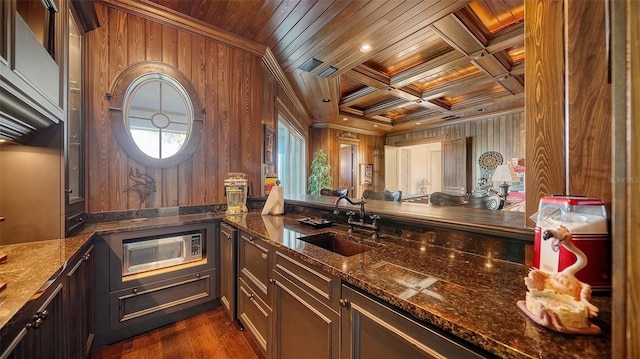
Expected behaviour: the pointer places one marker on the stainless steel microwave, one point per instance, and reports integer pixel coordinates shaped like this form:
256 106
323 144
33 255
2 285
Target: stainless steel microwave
145 254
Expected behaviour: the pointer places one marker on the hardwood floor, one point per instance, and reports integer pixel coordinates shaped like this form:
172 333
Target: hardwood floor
207 335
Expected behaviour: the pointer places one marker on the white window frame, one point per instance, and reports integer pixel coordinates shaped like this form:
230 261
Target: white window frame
292 158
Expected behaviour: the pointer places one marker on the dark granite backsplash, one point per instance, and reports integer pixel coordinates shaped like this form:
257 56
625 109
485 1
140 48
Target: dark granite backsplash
512 250
253 203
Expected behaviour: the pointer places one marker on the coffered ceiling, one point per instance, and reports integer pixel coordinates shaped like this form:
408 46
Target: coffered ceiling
431 62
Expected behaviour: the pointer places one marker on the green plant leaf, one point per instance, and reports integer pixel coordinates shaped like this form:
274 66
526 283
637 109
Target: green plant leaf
319 177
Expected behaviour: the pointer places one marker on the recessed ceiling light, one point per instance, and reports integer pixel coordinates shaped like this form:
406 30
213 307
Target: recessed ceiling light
365 48
326 100
375 125
482 109
345 119
417 123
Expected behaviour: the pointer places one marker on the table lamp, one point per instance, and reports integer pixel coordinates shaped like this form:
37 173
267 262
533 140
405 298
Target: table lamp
504 174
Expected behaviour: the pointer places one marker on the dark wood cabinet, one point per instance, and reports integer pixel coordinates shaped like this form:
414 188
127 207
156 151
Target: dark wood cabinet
41 332
74 130
58 322
228 269
130 304
80 305
254 290
305 305
372 329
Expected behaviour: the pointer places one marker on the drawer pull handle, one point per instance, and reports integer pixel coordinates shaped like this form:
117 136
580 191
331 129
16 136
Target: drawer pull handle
264 256
272 281
251 296
135 290
251 239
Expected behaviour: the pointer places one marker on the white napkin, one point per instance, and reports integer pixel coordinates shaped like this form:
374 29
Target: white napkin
275 201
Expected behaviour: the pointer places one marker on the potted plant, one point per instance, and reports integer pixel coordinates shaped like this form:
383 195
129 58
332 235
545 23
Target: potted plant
319 177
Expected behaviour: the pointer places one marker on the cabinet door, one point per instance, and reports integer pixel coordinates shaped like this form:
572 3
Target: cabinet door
42 337
303 326
372 330
254 264
80 306
255 316
74 128
228 273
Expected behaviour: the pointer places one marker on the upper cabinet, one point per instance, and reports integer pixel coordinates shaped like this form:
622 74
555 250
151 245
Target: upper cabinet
32 66
81 17
33 63
74 130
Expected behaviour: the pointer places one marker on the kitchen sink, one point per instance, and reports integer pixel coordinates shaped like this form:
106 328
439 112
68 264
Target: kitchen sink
337 243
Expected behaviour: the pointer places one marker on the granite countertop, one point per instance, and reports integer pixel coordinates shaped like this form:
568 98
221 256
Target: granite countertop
31 266
471 296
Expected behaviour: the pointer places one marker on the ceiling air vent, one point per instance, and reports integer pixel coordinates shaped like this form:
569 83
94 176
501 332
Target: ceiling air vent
328 71
310 64
450 117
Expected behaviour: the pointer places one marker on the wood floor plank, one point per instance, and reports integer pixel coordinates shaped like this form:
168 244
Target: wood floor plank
210 335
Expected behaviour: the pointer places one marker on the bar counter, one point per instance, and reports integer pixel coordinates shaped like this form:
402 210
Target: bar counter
470 295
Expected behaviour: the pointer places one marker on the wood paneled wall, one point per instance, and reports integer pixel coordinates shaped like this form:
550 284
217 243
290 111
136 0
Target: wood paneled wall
568 107
234 86
505 134
370 150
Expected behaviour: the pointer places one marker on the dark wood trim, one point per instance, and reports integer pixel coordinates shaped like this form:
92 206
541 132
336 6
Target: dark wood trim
121 133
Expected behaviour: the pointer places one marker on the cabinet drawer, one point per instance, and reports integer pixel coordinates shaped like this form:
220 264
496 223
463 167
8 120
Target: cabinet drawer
253 261
366 319
254 314
132 305
322 286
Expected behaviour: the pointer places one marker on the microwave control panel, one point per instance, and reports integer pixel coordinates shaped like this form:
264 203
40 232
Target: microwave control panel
196 245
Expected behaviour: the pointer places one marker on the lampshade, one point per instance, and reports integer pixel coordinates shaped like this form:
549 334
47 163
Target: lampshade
504 173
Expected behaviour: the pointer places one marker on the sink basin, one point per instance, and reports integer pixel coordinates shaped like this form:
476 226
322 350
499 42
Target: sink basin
337 243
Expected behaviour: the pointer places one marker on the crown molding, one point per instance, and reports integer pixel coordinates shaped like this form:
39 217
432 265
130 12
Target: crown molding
171 18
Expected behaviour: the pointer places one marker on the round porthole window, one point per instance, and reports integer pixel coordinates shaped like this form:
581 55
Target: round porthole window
158 115
154 112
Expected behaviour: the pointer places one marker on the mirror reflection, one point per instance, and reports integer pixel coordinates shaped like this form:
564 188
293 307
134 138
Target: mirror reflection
158 115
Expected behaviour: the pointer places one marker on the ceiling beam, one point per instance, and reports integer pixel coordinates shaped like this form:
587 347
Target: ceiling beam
458 36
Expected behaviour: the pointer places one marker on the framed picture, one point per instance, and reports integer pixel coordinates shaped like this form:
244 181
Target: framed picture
366 173
269 145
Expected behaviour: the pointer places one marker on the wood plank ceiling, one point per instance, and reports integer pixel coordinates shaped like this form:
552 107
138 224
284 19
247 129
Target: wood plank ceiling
431 62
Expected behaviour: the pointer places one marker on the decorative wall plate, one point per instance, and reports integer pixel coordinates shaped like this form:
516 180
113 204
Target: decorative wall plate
490 160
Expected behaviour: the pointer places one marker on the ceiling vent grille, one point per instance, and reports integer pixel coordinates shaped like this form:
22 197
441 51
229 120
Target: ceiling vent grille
328 71
310 64
450 117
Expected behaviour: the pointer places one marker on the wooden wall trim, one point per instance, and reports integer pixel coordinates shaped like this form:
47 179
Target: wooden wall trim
588 101
633 187
346 128
625 40
176 20
544 112
269 60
